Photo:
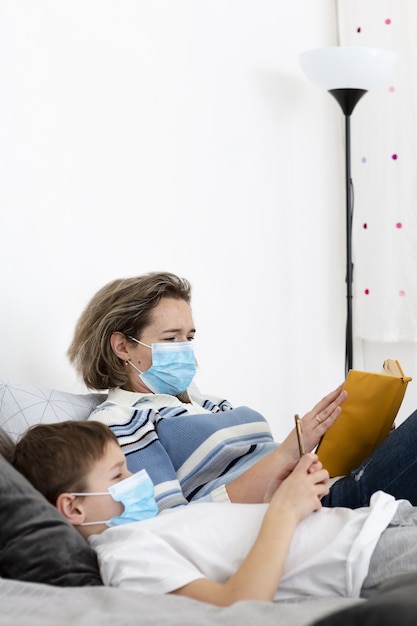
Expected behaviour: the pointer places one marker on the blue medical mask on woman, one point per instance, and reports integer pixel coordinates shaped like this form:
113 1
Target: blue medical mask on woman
136 493
173 367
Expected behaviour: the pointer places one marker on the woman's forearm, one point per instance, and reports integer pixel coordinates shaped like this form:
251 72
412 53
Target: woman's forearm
253 484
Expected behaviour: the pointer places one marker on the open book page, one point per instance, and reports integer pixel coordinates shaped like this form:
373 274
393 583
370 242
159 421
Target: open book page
393 368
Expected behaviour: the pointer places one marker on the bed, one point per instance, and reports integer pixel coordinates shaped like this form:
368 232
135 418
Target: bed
49 575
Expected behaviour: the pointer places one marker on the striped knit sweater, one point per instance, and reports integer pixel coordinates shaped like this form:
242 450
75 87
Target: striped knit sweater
190 450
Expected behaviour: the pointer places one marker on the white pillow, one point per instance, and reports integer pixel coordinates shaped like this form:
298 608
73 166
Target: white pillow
22 406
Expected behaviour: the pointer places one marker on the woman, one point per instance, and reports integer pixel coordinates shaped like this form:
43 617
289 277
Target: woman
134 338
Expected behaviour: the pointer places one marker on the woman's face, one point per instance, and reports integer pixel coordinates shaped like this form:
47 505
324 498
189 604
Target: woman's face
171 320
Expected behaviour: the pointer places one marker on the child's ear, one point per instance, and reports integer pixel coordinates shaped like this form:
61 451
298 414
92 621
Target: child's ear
72 510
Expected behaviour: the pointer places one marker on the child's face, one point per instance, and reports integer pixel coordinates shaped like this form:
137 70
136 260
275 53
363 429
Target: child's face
110 469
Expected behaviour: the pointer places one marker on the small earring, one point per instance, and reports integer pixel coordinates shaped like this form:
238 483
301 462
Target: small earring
126 363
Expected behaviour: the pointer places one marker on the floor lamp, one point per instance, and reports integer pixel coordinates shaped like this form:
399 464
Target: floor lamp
347 73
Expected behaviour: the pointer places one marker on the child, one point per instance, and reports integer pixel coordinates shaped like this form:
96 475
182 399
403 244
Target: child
217 553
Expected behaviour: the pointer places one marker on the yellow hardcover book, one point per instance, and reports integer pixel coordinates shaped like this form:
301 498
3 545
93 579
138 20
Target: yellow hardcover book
367 417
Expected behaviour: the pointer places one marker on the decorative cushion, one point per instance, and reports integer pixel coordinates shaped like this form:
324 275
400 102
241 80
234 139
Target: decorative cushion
22 406
37 544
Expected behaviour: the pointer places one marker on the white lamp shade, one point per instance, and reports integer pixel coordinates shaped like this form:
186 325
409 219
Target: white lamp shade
347 67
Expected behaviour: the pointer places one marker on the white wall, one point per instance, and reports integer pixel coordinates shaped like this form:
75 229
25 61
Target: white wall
140 135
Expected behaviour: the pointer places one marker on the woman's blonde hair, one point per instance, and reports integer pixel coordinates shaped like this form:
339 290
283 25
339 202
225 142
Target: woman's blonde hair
125 306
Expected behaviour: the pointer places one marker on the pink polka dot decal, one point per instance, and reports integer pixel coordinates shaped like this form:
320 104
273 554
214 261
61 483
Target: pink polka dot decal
385 231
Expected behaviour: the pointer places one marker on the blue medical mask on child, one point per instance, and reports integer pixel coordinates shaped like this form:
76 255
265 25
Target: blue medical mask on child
136 493
173 367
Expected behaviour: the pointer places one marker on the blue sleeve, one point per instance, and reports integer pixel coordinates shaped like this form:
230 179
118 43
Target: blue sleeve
210 450
136 434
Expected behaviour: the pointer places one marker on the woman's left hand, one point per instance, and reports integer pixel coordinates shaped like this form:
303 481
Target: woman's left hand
316 422
259 482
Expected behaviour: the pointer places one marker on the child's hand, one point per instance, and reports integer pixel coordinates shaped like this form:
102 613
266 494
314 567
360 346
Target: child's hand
302 490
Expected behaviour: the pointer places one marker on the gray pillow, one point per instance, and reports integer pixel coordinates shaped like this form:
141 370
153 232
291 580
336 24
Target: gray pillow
36 543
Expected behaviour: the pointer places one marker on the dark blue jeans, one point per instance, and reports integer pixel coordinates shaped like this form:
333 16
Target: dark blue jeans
392 468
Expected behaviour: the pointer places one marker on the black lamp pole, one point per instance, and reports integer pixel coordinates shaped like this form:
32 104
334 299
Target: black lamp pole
348 99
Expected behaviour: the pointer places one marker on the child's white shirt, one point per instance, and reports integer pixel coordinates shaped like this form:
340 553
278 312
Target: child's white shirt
329 554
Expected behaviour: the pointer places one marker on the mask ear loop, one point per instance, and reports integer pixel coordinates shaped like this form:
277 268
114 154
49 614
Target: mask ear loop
134 366
93 493
140 342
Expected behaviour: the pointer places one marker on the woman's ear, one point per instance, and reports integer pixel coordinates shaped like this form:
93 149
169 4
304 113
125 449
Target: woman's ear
119 346
71 509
